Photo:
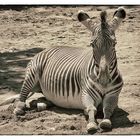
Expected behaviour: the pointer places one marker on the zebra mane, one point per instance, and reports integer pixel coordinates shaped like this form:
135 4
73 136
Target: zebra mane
103 16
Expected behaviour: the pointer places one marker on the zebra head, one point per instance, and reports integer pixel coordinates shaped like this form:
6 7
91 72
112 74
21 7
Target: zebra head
103 33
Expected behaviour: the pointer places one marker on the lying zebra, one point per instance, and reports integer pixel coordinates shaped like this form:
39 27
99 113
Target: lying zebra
80 78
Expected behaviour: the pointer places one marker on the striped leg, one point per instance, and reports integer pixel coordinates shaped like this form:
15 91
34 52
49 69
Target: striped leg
90 110
29 82
110 102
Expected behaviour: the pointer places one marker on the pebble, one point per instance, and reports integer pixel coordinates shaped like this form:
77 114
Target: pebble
42 120
72 127
135 121
52 129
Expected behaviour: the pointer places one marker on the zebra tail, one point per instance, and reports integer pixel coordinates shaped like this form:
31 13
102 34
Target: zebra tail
13 98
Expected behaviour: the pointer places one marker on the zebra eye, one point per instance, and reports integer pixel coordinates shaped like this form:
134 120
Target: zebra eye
91 43
92 40
113 37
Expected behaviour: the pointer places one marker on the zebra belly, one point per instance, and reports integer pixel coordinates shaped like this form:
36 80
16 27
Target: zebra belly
60 78
63 101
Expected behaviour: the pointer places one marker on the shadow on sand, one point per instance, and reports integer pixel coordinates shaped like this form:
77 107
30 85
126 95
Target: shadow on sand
12 68
119 118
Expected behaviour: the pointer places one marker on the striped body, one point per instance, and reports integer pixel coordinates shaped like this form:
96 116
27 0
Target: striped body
65 72
61 77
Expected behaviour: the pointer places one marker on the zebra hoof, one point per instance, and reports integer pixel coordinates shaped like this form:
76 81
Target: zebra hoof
18 111
92 127
105 124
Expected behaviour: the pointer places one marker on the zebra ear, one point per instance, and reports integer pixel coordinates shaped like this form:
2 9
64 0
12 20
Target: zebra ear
120 13
118 16
85 19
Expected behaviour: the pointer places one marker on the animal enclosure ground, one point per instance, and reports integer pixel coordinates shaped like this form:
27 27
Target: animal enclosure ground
26 31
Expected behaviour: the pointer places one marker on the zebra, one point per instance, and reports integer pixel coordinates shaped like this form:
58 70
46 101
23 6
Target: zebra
80 78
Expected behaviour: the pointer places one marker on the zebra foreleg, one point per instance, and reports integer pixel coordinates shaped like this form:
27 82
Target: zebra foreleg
91 111
110 102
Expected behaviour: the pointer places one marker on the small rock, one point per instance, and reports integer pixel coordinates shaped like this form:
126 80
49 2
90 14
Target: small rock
75 118
81 114
16 118
99 9
50 23
22 118
130 30
135 121
57 120
61 36
52 129
64 14
131 17
135 84
72 127
38 26
42 120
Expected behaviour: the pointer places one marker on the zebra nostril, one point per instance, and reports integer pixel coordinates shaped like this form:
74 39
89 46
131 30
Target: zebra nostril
110 80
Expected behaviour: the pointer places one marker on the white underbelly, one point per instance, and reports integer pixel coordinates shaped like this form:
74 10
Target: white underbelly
65 102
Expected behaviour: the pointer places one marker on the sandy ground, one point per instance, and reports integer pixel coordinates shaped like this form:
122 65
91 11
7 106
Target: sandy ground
25 32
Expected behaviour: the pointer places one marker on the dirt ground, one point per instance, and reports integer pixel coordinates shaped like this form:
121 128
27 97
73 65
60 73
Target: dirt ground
25 31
